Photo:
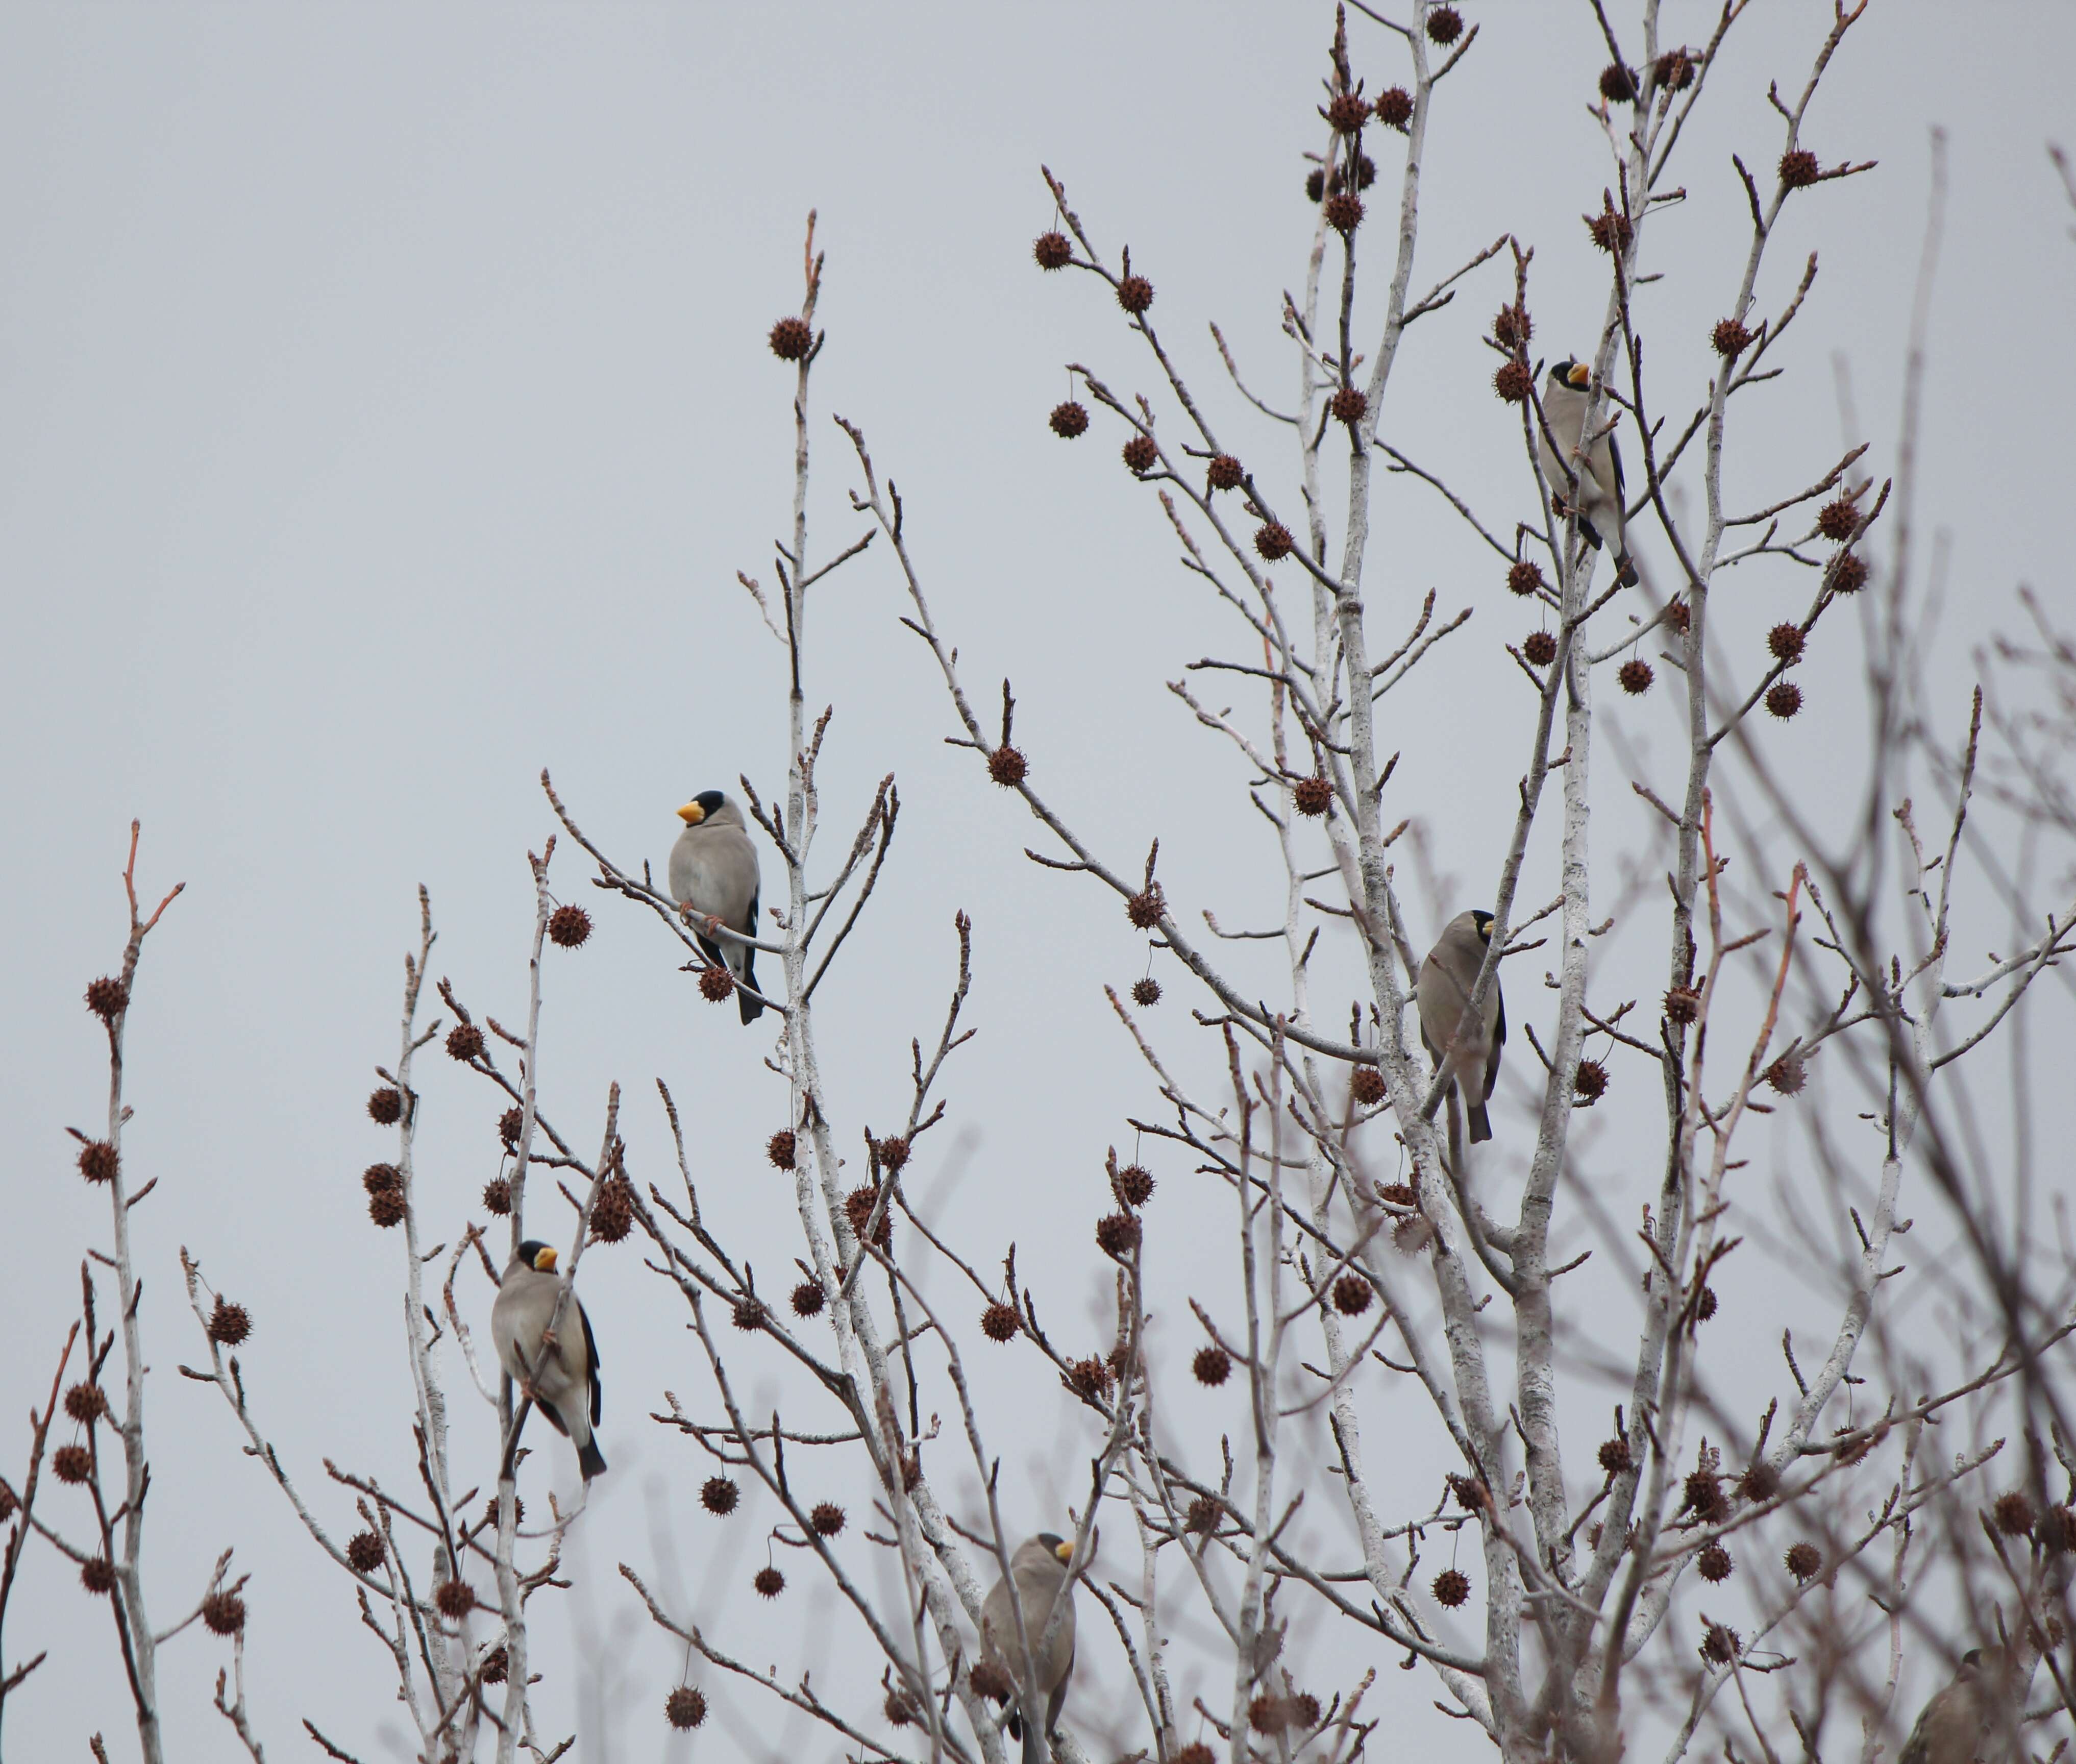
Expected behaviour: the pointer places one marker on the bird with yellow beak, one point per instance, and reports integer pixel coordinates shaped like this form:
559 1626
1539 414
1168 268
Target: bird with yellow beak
713 874
1599 490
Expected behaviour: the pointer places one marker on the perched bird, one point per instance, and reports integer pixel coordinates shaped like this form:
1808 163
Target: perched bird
1600 488
565 1387
1039 1569
713 874
1471 1049
1957 1725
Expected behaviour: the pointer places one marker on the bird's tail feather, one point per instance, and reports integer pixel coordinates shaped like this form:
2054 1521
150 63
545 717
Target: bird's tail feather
1481 1123
591 1459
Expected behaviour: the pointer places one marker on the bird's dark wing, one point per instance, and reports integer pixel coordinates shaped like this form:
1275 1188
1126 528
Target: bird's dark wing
709 949
1499 1040
1614 454
591 1357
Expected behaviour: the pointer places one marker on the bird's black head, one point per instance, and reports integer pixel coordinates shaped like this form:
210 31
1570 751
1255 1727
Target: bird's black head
1484 921
1574 374
1973 1657
700 807
1059 1545
538 1256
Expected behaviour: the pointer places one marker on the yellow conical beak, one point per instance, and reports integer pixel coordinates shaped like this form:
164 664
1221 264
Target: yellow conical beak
691 814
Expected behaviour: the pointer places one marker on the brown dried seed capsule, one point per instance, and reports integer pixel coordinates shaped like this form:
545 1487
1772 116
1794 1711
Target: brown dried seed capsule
1273 541
223 1613
1399 1194
364 1552
1612 232
900 1708
684 1708
1713 1563
1144 909
790 338
568 926
1196 1752
1617 84
1134 294
1053 250
1722 1644
1514 382
749 1315
1224 473
1471 1496
1704 1496
1134 1185
1068 419
1202 1517
1445 24
1676 70
1315 183
1798 169
1540 648
1451 1587
1525 577
1635 676
993 1681
1788 1074
1838 521
496 1665
465 1042
1366 1085
1146 991
508 1124
1304 1710
107 998
719 1495
1730 338
1352 1294
1849 573
781 1147
455 1598
893 1153
2056 1530
1118 1234
2015 1513
716 985
380 1178
1350 405
71 1463
386 1107
1803 1558
386 1209
998 1322
1394 106
1512 327
1683 1005
1212 1366
1784 698
1760 1482
808 1298
490 1513
86 1403
1007 767
99 1161
497 1196
769 1582
1089 1377
826 1519
98 1577
1347 113
1705 1306
1266 1714
857 1207
1786 640
1344 211
612 1213
1410 1236
1311 795
1679 615
1141 455
1615 1456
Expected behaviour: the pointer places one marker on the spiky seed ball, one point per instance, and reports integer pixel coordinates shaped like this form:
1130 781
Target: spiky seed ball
749 1315
1838 521
465 1042
1540 648
1304 1710
1679 615
1617 84
86 1403
857 1207
1352 1294
900 1708
1141 455
1007 767
893 1153
1705 1306
1344 211
826 1519
719 1495
379 1177
1525 577
568 926
386 1209
1635 676
364 1552
1713 1563
1212 1366
386 1107
1366 1085
1676 70
1798 169
497 1196
1722 1644
1615 1456
1730 338
1266 1714
496 1665
1512 327
1788 1074
808 1298
1273 541
998 1322
1472 1495
2014 1510
1223 472
508 1124
1451 1587
1683 1005
1347 113
1612 232
71 1463
455 1598
1445 24
790 339
1068 419
1399 1194
1350 405
1849 573
490 1513
2056 1530
1134 1185
107 998
1410 1237
1311 795
781 1147
1784 698
1202 1517
1134 294
1786 640
1089 1377
1315 183
1514 382
1803 1558
1146 991
1760 1482
98 1577
1053 250
716 986
99 1161
684 1708
1145 908
1851 1446
769 1582
1118 1234
1394 107
992 1681
1704 1496
1196 1752
612 1213
223 1613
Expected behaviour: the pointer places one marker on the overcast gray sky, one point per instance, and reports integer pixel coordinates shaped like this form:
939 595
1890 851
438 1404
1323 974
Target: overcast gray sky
384 414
